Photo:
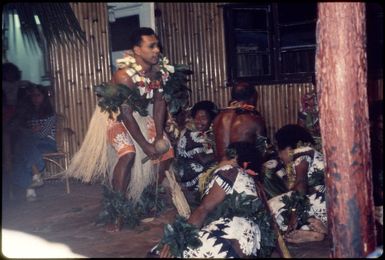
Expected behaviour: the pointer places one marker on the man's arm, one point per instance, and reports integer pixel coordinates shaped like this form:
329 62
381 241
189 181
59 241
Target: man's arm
121 77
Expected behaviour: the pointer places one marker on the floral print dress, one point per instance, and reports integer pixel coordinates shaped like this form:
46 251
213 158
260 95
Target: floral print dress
216 236
195 154
315 176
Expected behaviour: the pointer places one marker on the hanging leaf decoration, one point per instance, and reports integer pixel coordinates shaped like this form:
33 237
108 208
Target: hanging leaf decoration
175 92
58 23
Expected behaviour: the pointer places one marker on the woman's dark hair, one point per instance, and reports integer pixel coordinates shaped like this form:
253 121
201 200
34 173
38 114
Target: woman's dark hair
135 38
245 152
207 106
289 136
46 108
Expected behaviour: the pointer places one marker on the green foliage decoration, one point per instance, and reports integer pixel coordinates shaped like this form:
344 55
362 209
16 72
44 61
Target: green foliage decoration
115 205
175 92
248 206
296 202
179 235
112 96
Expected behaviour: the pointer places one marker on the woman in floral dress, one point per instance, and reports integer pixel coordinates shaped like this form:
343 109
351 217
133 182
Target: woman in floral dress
195 149
231 219
301 212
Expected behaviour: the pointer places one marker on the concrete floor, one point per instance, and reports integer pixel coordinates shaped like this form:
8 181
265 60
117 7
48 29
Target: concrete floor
67 221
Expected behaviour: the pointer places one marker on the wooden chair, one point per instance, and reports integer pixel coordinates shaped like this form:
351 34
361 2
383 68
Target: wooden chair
57 162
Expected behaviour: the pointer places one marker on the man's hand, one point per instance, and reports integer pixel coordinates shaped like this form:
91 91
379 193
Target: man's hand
150 151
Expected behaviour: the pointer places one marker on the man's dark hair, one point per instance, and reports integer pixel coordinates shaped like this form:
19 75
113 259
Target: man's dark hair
207 106
243 91
135 38
289 136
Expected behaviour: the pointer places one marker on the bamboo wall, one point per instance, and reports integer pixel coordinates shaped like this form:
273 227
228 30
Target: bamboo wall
76 71
192 34
279 104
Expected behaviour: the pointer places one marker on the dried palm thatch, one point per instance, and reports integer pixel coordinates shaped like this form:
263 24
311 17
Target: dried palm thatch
58 23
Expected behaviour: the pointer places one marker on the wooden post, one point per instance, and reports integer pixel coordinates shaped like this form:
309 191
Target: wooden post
341 74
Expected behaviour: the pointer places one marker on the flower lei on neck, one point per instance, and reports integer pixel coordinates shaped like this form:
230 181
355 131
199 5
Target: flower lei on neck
241 105
171 81
137 74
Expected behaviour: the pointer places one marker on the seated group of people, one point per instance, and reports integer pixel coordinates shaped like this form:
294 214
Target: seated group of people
218 156
29 126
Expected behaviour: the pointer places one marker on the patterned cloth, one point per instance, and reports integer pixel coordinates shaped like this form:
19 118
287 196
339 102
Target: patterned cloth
47 126
217 236
195 154
120 138
316 167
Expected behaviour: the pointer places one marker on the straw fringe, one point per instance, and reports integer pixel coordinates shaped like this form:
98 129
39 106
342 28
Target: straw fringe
92 162
96 158
141 174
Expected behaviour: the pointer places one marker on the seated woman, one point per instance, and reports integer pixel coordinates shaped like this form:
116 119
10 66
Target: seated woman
301 212
308 116
195 149
34 127
231 219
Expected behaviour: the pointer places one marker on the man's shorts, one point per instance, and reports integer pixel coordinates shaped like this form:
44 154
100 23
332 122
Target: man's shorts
120 139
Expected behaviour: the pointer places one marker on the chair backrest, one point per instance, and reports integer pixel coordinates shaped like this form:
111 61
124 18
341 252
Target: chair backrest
60 120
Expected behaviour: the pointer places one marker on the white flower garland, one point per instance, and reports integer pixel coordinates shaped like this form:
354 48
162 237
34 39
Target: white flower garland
136 72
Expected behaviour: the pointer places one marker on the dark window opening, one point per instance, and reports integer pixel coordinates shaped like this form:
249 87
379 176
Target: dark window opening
120 31
375 39
276 43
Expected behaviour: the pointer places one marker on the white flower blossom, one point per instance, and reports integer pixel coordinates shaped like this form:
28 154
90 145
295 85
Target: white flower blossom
130 72
150 94
136 78
138 68
142 91
126 60
169 68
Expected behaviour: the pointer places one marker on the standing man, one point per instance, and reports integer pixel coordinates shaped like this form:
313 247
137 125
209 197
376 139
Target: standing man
239 122
139 69
117 142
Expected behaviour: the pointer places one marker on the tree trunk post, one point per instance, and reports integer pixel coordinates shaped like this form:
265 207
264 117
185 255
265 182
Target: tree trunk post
341 77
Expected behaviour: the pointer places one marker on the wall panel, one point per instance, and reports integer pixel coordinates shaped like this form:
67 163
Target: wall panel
77 69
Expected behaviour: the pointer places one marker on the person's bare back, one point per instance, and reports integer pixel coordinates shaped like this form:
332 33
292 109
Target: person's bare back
236 125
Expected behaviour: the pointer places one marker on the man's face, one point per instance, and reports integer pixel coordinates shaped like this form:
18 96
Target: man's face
148 50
